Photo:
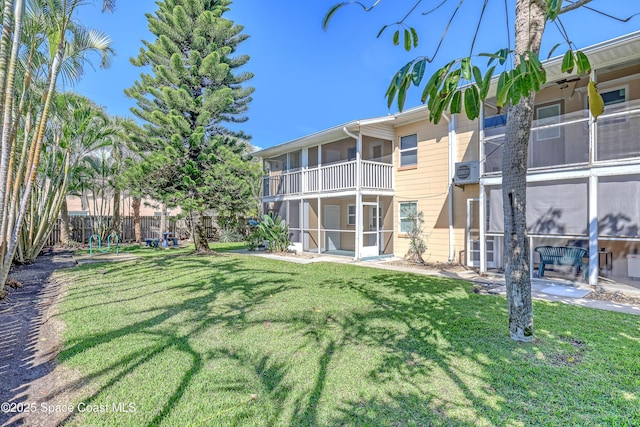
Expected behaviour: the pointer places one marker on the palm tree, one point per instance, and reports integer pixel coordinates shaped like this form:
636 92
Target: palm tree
66 45
77 129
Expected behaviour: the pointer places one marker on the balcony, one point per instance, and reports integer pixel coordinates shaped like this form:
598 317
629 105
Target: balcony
564 141
342 176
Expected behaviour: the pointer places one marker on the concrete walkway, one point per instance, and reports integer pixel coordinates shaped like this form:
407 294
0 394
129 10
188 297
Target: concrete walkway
556 290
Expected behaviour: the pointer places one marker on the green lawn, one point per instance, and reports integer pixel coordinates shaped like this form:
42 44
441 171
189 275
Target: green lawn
241 340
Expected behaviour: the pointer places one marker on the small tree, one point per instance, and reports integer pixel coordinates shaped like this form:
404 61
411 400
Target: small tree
417 238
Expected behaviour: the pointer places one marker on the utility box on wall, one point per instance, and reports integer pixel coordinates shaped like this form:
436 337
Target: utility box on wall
633 265
467 173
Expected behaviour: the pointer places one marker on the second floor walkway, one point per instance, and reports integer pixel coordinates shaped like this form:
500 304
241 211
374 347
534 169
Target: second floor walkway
339 176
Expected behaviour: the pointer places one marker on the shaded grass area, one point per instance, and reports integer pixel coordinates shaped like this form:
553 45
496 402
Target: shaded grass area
241 340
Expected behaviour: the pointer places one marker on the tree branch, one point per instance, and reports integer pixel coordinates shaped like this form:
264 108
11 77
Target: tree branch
574 6
583 3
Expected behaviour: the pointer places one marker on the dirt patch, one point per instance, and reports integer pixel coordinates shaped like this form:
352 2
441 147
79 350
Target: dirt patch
301 255
31 340
437 266
618 297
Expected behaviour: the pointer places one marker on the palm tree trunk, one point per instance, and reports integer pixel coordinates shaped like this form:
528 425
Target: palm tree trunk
14 222
13 11
530 23
65 224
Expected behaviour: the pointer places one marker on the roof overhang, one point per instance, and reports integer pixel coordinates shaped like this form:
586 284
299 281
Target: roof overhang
620 50
323 137
602 56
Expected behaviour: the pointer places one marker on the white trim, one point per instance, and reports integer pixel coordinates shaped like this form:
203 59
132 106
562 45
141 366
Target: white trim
349 214
367 250
599 170
415 202
401 150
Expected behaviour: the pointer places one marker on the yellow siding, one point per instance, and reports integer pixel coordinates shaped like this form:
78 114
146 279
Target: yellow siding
428 184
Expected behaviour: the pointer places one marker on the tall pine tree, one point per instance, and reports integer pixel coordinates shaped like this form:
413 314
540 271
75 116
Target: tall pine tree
193 90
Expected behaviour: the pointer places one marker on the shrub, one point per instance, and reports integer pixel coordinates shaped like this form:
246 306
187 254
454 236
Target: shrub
417 239
272 229
229 235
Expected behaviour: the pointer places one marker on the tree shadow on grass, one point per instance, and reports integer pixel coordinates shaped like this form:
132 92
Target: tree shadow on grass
227 276
441 354
450 350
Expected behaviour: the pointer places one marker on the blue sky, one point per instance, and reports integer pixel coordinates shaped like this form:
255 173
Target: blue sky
306 79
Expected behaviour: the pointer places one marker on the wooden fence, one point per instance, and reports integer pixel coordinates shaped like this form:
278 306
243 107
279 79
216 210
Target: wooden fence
82 227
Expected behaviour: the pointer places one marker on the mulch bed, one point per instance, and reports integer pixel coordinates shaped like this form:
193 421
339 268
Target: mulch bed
30 337
437 266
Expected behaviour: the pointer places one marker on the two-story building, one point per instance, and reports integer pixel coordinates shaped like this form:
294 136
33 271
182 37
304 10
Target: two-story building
353 189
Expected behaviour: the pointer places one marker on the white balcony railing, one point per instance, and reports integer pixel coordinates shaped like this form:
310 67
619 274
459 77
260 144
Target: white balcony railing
334 177
565 140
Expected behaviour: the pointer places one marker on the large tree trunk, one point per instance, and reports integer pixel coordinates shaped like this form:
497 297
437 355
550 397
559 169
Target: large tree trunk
199 233
530 22
163 218
137 225
65 225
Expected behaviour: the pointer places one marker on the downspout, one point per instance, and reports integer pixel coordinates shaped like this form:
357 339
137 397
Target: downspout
264 167
452 137
358 226
352 135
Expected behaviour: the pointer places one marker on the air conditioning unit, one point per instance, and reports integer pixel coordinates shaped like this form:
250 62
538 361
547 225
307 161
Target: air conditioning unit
467 173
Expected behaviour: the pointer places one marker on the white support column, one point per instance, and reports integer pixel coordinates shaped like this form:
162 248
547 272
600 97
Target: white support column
482 215
301 220
531 269
468 239
359 213
482 196
452 162
594 260
319 223
304 167
286 211
358 162
593 231
320 177
359 227
378 218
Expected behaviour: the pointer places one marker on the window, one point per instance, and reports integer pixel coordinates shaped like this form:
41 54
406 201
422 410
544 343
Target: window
351 153
548 115
408 212
614 96
409 150
351 215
